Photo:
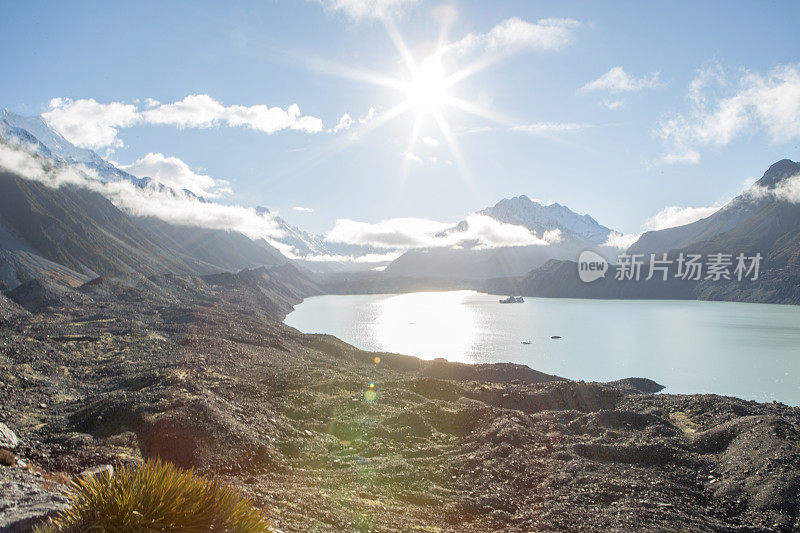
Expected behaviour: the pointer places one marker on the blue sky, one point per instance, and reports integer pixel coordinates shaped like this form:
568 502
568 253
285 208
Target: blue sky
720 80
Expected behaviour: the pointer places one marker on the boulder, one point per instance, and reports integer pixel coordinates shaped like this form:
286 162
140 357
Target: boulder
8 439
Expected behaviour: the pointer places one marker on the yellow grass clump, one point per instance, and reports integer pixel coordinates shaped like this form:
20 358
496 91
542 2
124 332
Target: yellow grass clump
156 496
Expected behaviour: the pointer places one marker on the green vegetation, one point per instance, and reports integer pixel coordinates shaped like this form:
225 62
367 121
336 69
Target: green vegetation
157 496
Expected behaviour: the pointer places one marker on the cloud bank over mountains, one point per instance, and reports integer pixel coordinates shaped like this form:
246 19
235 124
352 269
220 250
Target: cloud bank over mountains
477 231
174 173
170 205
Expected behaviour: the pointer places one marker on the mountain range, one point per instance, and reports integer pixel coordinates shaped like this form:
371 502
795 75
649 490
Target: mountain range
765 220
202 250
566 234
71 234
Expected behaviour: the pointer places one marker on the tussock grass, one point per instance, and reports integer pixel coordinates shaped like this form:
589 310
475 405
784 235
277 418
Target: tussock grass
156 496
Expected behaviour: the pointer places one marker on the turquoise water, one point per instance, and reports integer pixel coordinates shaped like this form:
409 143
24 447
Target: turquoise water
747 350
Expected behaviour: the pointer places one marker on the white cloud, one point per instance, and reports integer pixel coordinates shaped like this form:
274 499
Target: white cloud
613 104
173 172
787 189
366 258
541 128
412 157
430 142
622 241
673 215
359 10
88 123
344 123
202 111
684 155
480 232
721 112
303 209
516 34
173 206
617 80
369 116
552 236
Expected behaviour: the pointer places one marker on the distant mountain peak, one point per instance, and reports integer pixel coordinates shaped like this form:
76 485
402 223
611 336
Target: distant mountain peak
539 218
779 171
35 135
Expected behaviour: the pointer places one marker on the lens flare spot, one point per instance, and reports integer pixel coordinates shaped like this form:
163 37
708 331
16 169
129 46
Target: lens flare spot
370 395
372 385
377 360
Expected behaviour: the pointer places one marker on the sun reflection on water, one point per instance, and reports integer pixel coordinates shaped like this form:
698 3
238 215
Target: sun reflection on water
426 324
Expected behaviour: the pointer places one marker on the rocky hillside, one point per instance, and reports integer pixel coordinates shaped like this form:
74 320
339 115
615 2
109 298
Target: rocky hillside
71 235
764 220
755 219
201 371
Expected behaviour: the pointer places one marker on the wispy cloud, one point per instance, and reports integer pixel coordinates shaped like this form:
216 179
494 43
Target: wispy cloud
430 142
360 10
175 173
345 121
369 116
478 231
517 34
303 209
412 157
721 111
617 81
541 128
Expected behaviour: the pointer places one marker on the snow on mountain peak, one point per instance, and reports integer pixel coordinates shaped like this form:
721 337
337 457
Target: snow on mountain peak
38 137
523 211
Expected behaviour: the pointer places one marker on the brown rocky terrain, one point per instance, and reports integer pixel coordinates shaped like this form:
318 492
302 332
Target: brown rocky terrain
202 372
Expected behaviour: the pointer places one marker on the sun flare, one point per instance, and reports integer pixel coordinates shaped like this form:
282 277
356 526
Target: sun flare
427 90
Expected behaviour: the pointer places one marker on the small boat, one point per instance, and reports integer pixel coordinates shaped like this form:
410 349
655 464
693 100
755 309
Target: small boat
527 341
556 337
512 300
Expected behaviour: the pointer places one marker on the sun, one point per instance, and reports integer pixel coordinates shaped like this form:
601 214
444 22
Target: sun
427 90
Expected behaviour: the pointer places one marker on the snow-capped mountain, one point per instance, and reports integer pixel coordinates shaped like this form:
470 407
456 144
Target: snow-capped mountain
523 211
566 232
37 137
316 253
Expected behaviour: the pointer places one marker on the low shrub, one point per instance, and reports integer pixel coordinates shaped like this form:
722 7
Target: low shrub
156 496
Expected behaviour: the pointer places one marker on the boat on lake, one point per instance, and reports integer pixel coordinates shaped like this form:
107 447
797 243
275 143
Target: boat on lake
512 300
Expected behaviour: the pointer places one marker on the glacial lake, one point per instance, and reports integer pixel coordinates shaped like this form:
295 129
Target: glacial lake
747 350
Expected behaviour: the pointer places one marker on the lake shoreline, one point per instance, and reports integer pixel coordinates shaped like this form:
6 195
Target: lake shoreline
768 330
203 373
